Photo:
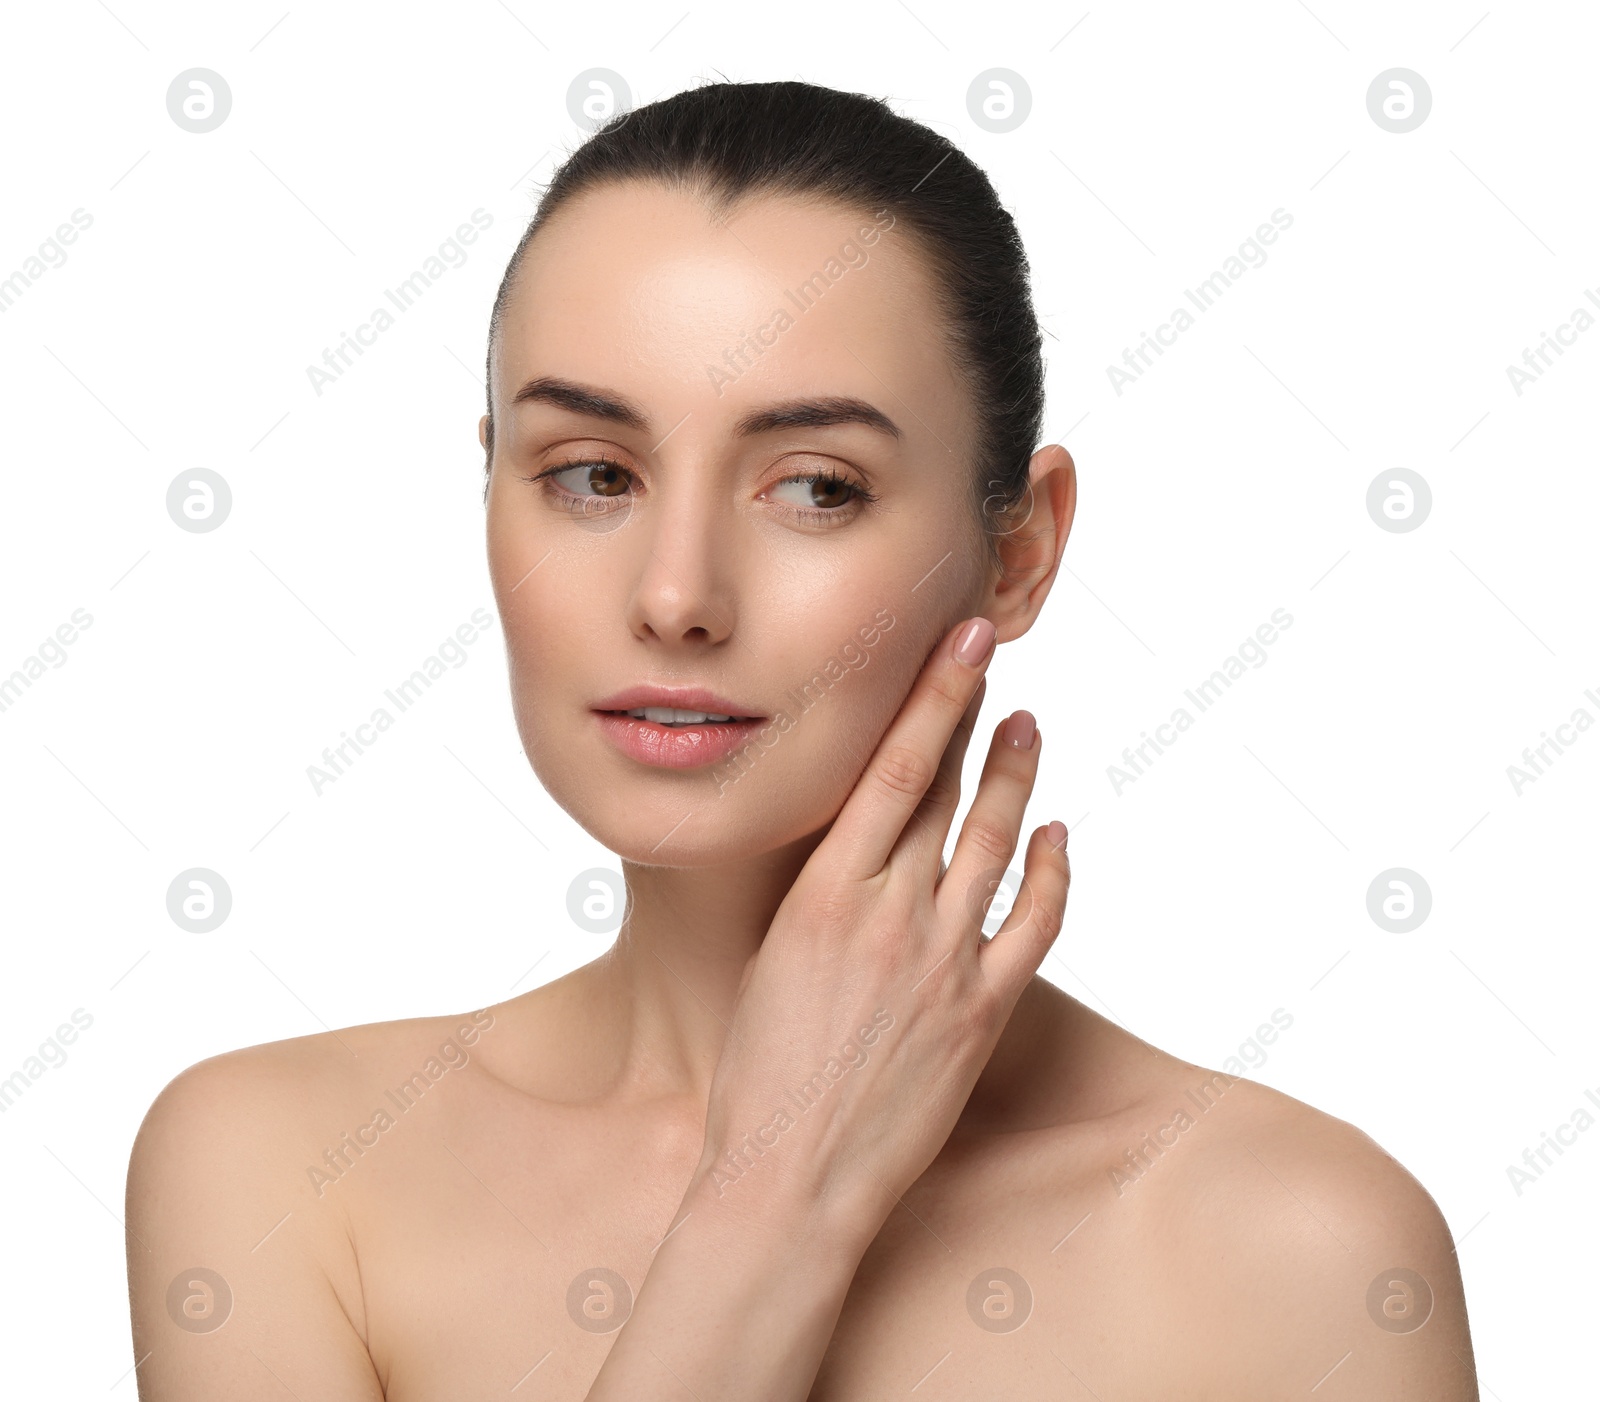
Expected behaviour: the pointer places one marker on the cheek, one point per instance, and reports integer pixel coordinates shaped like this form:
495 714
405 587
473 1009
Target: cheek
515 576
546 584
548 648
535 600
841 711
512 548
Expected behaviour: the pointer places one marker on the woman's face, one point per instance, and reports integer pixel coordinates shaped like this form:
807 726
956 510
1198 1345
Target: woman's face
706 407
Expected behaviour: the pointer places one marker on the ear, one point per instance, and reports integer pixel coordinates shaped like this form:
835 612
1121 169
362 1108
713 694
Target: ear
1035 535
483 433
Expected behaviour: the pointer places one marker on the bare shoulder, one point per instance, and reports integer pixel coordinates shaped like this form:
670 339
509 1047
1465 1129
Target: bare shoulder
232 1254
298 1074
1269 1148
253 1097
244 1109
1301 1241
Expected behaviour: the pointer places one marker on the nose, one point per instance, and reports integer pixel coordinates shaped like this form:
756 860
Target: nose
684 591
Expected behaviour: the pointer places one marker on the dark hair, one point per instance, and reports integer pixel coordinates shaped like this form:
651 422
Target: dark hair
723 141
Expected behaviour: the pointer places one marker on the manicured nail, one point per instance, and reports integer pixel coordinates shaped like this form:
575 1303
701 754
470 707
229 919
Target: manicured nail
1056 834
974 644
1019 730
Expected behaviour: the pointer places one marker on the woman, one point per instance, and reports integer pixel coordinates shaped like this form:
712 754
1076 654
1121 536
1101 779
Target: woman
765 393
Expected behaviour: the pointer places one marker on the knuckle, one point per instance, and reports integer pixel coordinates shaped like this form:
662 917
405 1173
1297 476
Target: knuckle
949 690
884 943
988 837
943 791
1048 913
903 771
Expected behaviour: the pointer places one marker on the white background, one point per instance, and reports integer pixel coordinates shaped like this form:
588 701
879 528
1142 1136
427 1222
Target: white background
1230 480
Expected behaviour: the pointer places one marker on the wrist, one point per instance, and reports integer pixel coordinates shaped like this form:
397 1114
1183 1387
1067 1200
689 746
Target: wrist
765 1200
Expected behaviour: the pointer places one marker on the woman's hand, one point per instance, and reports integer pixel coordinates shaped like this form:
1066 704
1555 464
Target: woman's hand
814 1130
867 1015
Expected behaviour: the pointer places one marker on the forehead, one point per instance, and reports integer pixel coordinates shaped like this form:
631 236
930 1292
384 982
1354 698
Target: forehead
648 290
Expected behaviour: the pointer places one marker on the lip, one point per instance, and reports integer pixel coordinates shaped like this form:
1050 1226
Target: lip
679 698
676 746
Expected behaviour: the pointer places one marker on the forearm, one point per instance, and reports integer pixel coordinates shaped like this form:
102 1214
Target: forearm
740 1301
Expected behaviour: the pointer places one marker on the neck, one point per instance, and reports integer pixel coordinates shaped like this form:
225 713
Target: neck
666 989
655 1008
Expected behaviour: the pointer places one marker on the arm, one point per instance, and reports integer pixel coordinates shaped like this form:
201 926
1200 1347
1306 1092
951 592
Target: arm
740 1302
223 1305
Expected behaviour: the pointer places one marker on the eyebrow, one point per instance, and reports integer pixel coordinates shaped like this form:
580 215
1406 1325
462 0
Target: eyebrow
823 412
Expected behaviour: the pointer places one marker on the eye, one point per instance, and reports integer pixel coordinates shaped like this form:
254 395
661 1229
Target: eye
581 483
819 495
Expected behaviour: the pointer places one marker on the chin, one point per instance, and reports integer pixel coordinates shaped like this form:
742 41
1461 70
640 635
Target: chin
716 834
690 818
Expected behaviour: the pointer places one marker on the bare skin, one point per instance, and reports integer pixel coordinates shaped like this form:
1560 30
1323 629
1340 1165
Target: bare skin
1018 1209
439 1263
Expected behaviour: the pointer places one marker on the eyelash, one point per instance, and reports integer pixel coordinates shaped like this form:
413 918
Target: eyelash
819 515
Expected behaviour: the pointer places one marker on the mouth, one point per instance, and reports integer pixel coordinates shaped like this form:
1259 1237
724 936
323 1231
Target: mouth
675 705
676 727
669 716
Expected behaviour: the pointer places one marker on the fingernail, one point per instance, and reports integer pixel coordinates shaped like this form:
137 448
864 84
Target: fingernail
1056 834
974 644
1019 730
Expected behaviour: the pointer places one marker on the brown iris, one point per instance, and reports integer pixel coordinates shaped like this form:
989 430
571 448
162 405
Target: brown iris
830 491
603 476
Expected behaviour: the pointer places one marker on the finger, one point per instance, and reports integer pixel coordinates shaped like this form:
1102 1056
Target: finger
1014 955
922 840
907 757
988 837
